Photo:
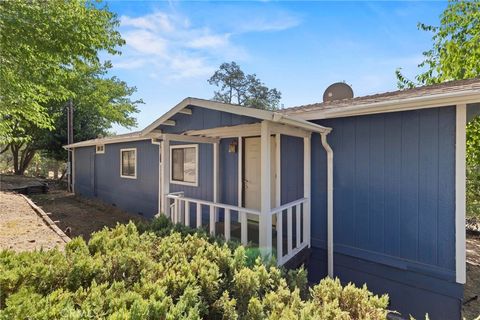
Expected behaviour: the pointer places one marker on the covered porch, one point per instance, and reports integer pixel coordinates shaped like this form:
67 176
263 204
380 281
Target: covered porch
262 212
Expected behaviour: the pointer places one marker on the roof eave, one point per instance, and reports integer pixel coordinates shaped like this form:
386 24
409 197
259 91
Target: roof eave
430 101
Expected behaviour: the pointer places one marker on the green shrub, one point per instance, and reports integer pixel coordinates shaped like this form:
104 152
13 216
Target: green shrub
130 273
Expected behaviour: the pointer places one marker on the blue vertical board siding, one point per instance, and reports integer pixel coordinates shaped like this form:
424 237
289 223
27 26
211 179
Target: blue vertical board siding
84 171
394 188
202 118
228 173
409 186
394 208
446 189
291 162
137 196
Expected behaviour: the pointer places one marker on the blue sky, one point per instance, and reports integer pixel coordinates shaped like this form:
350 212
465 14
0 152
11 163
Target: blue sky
297 47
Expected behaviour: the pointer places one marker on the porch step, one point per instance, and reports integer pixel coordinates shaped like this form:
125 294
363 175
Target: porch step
301 258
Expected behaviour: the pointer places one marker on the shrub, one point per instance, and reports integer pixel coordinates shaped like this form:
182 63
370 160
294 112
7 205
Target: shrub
126 274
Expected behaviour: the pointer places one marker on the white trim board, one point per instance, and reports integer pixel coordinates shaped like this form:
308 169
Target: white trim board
460 192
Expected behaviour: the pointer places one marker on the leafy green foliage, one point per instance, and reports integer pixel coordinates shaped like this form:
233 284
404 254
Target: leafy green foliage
127 274
455 54
44 45
246 90
49 55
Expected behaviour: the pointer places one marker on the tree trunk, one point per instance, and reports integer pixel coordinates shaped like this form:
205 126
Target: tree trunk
21 160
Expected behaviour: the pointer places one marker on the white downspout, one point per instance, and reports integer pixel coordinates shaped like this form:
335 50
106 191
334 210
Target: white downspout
329 151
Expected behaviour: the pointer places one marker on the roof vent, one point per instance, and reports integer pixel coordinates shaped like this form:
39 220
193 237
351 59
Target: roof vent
338 91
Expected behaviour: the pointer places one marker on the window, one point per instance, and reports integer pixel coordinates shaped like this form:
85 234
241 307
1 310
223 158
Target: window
128 163
100 148
184 164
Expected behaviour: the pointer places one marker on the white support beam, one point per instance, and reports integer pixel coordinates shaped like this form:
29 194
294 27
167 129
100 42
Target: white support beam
460 192
216 176
186 138
160 170
265 221
165 174
276 128
244 130
169 123
240 171
186 111
278 170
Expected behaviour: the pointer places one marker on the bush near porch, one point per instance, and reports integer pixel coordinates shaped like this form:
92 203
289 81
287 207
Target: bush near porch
123 273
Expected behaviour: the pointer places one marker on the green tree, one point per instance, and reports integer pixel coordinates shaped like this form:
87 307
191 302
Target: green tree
49 55
239 88
99 103
455 55
42 46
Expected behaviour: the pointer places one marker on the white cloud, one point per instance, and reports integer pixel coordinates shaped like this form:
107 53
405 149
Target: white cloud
170 46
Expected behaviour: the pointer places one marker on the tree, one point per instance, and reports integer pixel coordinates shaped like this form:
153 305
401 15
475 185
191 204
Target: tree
49 55
455 56
42 44
246 90
100 102
456 47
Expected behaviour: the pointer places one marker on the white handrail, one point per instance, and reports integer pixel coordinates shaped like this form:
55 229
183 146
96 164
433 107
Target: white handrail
287 205
215 204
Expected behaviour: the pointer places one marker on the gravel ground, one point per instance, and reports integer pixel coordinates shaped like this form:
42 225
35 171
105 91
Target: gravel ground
78 216
471 310
21 229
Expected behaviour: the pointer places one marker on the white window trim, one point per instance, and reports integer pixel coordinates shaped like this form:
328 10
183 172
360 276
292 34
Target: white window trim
192 184
99 152
135 151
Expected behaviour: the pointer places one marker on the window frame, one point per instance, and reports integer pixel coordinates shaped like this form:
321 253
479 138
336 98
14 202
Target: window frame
99 152
184 183
121 163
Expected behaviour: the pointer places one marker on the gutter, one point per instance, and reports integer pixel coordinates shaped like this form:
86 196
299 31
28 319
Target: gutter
421 102
329 151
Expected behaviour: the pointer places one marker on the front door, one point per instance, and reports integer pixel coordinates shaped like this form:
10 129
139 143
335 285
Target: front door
252 173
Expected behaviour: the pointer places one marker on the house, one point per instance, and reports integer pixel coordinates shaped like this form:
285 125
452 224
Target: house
373 187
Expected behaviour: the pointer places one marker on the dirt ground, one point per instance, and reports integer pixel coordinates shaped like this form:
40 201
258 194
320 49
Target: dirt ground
21 229
78 216
471 310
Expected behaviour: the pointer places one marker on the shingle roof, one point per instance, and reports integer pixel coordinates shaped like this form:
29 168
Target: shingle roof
442 88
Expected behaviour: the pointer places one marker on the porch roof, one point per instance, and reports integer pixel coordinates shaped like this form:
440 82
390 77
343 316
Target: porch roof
152 131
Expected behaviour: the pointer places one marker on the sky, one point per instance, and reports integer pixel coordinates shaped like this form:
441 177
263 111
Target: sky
300 48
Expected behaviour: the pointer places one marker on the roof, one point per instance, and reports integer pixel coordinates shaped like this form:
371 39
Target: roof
454 92
152 130
131 136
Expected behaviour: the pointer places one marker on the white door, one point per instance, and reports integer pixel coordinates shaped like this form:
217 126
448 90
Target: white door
252 173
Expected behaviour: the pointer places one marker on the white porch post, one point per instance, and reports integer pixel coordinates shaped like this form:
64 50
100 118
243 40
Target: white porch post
242 216
307 158
165 175
460 192
215 176
265 225
278 196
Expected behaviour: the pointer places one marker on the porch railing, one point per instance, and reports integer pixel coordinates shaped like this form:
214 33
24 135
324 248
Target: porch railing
291 237
297 229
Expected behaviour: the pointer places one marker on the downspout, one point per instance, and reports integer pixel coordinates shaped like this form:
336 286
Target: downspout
329 151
